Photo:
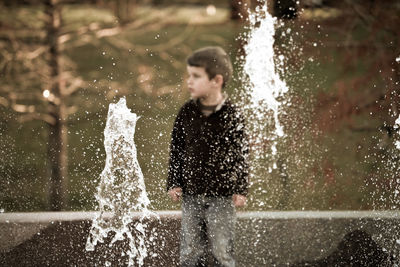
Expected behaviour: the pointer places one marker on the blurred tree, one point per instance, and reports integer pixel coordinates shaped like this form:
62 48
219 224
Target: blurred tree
367 89
57 147
35 85
39 78
123 9
371 33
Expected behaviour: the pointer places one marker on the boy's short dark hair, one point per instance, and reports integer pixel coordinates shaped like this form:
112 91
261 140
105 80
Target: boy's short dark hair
214 60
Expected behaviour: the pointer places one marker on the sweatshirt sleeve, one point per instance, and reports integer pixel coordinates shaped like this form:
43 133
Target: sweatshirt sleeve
177 152
241 145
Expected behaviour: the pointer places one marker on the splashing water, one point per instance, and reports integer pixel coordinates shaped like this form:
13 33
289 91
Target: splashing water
121 190
265 86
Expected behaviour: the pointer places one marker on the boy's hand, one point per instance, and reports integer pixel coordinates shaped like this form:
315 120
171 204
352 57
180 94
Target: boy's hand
175 194
239 200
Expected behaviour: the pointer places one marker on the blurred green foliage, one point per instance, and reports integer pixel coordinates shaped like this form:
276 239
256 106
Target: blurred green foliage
325 169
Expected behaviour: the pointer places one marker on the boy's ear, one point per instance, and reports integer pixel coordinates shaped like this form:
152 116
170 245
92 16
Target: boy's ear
219 79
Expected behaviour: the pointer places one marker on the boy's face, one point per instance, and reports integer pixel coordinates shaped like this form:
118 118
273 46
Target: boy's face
199 85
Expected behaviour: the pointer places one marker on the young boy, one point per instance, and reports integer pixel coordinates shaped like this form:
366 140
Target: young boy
208 167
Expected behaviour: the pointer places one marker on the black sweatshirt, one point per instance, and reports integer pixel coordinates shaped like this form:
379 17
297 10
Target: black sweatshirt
208 154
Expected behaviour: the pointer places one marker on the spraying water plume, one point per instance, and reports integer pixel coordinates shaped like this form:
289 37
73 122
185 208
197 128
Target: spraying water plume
121 190
265 84
265 88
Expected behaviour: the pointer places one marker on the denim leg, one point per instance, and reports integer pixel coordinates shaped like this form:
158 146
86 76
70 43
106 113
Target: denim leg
193 234
221 220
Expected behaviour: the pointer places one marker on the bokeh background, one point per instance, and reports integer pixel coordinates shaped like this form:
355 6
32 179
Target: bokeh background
62 62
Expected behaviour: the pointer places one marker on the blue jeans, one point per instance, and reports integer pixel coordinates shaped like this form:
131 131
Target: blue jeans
208 223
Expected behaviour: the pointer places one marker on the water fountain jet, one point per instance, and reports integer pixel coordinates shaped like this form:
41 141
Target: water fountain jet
121 189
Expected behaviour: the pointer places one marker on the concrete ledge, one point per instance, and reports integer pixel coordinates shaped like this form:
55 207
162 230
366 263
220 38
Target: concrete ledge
294 238
52 216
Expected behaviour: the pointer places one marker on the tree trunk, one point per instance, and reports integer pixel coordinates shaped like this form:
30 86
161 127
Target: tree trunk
57 144
123 10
